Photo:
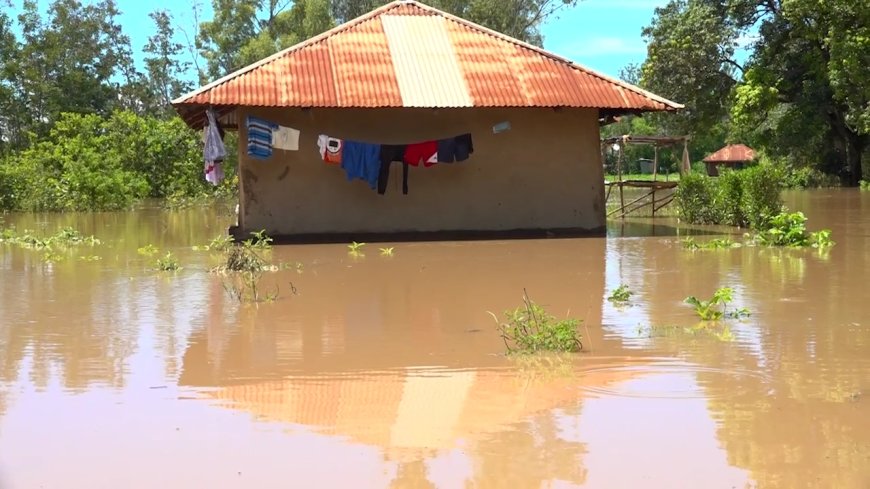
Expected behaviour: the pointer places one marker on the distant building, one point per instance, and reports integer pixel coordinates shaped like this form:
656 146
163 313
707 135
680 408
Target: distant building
735 156
404 74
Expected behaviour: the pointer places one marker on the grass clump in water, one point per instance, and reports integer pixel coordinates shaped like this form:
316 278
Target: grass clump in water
864 184
167 263
531 329
716 307
714 244
621 295
356 249
244 268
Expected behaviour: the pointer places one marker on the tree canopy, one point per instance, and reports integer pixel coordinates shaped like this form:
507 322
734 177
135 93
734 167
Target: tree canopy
790 77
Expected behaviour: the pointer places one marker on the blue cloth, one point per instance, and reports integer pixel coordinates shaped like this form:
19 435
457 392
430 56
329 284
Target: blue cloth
260 137
361 161
455 149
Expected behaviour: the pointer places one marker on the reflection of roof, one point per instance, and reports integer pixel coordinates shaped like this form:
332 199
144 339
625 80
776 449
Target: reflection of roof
408 410
733 153
406 54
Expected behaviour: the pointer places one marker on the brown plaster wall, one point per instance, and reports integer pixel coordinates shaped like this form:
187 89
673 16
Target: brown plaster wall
544 173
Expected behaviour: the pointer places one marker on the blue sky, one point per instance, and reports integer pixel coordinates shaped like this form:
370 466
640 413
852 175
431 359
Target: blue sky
601 34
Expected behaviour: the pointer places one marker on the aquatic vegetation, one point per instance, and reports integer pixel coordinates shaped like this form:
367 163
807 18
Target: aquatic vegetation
52 256
90 258
531 329
620 295
356 249
259 240
714 244
864 184
716 307
66 237
789 229
167 263
387 251
244 269
148 250
220 243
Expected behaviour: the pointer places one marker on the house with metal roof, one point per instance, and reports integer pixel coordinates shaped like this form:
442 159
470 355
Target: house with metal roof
734 156
406 75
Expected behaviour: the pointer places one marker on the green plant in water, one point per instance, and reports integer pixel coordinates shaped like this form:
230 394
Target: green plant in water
356 249
530 329
259 240
219 243
821 239
387 251
167 263
90 258
714 244
148 250
621 295
789 229
245 267
717 307
864 184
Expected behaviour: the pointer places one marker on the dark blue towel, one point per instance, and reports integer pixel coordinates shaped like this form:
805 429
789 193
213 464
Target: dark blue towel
455 149
361 161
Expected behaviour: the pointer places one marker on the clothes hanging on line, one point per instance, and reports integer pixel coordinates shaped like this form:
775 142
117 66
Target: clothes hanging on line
214 151
389 154
260 137
425 152
330 149
453 149
361 161
285 138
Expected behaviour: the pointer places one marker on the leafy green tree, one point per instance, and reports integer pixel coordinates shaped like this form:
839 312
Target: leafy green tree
803 94
521 19
165 71
70 61
89 162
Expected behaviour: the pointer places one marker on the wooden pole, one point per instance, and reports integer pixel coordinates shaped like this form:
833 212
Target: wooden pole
619 170
655 176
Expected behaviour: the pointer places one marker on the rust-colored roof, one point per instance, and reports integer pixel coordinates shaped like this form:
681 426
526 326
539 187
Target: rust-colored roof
406 54
733 153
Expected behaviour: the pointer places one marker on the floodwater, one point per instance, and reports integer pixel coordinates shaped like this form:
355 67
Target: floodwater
387 371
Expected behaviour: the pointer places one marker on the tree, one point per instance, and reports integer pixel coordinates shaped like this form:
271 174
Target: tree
804 91
45 74
164 70
521 19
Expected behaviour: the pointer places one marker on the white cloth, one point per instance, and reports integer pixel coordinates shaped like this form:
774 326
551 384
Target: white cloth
285 138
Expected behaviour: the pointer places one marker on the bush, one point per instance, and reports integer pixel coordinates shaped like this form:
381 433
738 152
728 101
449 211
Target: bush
530 329
789 229
695 199
88 162
742 198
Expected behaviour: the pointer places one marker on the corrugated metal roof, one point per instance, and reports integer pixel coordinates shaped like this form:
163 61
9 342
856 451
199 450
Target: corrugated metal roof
406 54
733 153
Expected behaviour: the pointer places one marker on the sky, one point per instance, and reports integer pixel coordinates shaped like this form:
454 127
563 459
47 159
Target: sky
603 35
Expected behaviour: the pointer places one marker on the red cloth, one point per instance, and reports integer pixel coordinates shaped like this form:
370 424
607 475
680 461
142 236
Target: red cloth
415 153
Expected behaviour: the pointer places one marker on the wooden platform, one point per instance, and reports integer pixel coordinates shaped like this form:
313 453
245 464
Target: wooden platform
658 195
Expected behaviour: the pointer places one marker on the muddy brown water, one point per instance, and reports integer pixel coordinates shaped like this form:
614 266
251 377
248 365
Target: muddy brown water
387 372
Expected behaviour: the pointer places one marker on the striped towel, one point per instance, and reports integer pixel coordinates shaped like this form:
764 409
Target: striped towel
260 137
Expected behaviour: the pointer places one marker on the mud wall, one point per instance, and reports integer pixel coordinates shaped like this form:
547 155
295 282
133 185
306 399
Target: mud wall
543 173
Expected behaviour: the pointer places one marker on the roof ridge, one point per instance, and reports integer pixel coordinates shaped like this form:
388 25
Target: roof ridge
432 10
540 50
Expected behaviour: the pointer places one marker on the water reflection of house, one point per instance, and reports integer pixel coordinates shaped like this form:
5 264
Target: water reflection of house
407 73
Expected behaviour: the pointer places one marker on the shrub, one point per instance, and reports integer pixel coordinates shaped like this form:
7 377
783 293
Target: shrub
88 162
530 329
695 199
789 229
762 186
747 197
